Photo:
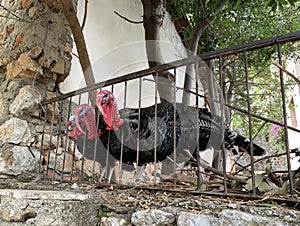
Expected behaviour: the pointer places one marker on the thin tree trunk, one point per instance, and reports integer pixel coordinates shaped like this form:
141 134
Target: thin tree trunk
190 75
153 20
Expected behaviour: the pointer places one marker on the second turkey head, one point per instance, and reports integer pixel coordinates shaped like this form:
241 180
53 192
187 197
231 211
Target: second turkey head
83 121
107 105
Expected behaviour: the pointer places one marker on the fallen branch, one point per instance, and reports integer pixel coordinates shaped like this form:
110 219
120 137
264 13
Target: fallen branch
272 177
206 166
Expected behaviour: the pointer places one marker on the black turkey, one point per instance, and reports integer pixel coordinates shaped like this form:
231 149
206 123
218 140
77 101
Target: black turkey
132 131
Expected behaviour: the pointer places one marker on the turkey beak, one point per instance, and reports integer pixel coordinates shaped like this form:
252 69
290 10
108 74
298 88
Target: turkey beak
70 123
101 100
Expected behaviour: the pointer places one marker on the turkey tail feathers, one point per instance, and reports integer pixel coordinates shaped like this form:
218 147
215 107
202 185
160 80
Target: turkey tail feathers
242 143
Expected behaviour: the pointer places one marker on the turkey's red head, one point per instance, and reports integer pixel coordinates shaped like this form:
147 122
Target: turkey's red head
83 119
108 107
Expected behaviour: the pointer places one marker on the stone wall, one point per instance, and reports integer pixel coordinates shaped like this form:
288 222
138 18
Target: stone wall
35 56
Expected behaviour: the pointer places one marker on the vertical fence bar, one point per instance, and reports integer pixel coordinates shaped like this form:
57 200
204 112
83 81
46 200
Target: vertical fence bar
95 147
139 127
57 142
250 121
108 172
84 147
122 136
45 109
286 137
155 127
66 140
198 128
174 129
107 167
74 148
50 139
223 90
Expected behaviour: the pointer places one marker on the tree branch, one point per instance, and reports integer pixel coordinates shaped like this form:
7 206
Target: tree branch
15 15
287 72
85 14
128 20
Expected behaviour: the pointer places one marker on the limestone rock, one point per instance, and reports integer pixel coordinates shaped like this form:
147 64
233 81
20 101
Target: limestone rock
50 142
60 163
27 102
45 61
113 221
35 52
19 160
16 210
53 111
226 217
23 67
55 208
1 106
16 131
239 218
88 167
68 48
190 219
152 217
59 67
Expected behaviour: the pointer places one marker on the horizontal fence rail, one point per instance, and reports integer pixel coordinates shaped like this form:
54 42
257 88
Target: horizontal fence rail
157 143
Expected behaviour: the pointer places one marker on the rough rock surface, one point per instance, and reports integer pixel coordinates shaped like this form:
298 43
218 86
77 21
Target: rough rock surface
16 131
87 205
18 160
27 102
35 56
151 217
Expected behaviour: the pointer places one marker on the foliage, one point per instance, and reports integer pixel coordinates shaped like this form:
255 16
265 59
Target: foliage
241 22
238 21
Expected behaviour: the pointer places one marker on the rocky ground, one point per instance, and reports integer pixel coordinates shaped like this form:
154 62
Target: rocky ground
42 203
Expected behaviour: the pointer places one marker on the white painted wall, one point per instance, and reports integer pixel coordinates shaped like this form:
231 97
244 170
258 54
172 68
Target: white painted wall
294 137
117 47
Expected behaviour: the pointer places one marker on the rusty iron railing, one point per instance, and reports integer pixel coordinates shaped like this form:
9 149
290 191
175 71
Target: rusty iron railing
63 162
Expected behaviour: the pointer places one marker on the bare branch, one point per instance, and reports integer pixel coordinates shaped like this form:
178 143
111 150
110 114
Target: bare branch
204 13
85 14
15 15
287 72
128 20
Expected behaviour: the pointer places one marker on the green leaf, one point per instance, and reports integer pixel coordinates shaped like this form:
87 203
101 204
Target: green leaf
265 205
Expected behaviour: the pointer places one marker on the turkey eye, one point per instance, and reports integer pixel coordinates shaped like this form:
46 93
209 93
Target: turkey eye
104 98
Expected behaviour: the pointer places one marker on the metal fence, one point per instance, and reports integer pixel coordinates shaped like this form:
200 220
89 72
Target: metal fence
243 174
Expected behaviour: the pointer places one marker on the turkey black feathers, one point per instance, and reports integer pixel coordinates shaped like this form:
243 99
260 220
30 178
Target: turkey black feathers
121 131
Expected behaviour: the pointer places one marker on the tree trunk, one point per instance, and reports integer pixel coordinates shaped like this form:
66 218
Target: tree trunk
190 75
153 20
